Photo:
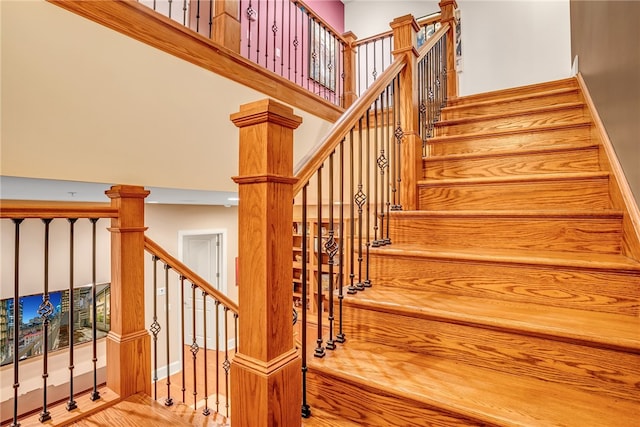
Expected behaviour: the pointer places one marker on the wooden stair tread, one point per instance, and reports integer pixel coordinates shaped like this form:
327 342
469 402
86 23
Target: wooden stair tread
509 213
547 258
511 98
478 393
614 331
505 153
515 178
514 113
514 131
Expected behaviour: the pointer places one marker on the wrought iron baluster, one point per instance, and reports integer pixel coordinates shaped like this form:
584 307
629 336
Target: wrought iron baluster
376 228
367 160
399 135
216 305
295 43
282 40
388 129
206 410
288 47
352 289
182 339
71 404
45 311
266 36
274 29
341 337
194 345
319 351
331 248
210 18
17 319
168 401
170 1
198 16
305 410
313 71
226 364
155 327
359 67
359 198
184 13
95 394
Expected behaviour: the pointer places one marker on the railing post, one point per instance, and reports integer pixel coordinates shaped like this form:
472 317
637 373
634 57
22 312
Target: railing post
404 43
128 342
447 9
226 24
266 371
350 70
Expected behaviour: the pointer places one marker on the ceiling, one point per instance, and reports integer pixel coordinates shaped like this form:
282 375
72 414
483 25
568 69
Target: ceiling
16 188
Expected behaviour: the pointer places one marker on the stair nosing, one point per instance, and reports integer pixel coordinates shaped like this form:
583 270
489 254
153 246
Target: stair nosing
509 153
625 265
513 178
516 113
527 96
547 329
512 213
502 132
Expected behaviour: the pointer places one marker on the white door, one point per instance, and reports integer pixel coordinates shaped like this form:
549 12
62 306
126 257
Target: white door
203 252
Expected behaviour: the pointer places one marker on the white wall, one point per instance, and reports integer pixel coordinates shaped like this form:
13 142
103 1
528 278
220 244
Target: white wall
504 43
81 102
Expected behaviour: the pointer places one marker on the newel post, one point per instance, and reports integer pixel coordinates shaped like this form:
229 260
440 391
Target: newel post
350 70
128 342
405 29
226 24
266 372
447 10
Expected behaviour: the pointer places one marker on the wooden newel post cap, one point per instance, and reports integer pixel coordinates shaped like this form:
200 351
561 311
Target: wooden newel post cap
266 110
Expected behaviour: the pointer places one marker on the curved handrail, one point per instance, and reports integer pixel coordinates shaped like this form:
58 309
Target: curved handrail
36 209
309 165
155 249
425 48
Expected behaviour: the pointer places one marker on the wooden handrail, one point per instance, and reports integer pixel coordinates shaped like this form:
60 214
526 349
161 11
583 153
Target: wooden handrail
309 166
37 209
189 274
425 48
427 20
318 18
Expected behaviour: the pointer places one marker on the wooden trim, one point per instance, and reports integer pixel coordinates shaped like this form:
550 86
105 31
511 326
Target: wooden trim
141 23
619 189
341 128
447 9
155 249
36 209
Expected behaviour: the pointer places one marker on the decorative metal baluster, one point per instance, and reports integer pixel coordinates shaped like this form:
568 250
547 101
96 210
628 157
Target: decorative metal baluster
359 68
288 47
331 248
235 332
266 36
352 289
444 67
210 18
367 160
45 311
17 320
382 165
170 1
184 13
206 410
194 346
399 135
226 364
182 339
319 351
376 242
341 337
217 304
374 73
274 29
250 11
305 410
282 40
198 16
71 404
387 239
366 61
155 327
258 32
168 401
295 43
313 71
95 394
359 199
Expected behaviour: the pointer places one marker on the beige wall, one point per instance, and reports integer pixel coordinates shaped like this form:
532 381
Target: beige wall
81 102
604 36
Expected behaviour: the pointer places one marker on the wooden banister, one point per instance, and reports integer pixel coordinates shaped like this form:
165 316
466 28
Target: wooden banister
37 209
128 342
155 249
266 370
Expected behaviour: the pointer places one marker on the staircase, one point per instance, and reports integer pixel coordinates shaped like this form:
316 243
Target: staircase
506 300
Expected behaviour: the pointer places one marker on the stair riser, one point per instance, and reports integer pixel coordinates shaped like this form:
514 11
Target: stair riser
585 160
599 291
517 91
557 138
374 407
568 116
500 107
597 370
525 234
578 194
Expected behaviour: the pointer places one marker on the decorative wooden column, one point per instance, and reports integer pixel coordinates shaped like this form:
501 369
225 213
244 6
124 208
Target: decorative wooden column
226 24
350 70
405 29
266 372
128 342
447 9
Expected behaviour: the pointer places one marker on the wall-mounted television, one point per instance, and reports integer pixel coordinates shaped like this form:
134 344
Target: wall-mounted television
30 323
